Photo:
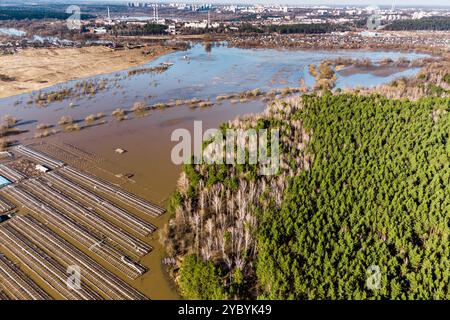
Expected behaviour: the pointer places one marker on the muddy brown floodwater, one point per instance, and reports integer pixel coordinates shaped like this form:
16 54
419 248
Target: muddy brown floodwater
148 146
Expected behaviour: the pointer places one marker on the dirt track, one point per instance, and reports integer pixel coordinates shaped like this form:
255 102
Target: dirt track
34 69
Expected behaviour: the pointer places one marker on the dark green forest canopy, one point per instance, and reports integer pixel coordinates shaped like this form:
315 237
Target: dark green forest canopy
376 194
153 28
38 13
433 23
306 28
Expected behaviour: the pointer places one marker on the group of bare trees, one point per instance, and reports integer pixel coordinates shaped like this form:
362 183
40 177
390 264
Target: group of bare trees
6 128
433 79
324 74
217 221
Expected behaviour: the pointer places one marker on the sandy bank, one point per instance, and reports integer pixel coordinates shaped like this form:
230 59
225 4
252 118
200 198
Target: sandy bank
34 69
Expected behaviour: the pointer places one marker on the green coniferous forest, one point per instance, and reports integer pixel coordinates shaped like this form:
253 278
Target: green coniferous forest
376 194
365 183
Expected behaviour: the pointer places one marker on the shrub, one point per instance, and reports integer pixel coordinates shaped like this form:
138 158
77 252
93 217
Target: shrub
42 126
65 120
200 280
9 121
93 117
4 144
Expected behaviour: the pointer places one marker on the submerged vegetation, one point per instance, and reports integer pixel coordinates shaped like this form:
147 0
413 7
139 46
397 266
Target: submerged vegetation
362 183
7 128
324 74
120 114
432 80
4 144
81 88
44 130
156 69
93 117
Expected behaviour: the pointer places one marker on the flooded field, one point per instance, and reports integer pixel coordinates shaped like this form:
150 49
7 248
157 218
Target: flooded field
201 72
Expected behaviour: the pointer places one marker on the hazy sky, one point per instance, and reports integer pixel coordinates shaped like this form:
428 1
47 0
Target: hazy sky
338 2
409 3
316 2
371 2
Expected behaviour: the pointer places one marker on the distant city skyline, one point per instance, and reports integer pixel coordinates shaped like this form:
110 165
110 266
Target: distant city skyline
307 2
402 3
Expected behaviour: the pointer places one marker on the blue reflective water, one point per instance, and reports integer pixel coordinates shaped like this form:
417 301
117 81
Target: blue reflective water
227 70
12 32
4 181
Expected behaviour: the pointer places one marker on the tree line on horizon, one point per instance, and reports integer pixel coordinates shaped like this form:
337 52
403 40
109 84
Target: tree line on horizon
431 23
